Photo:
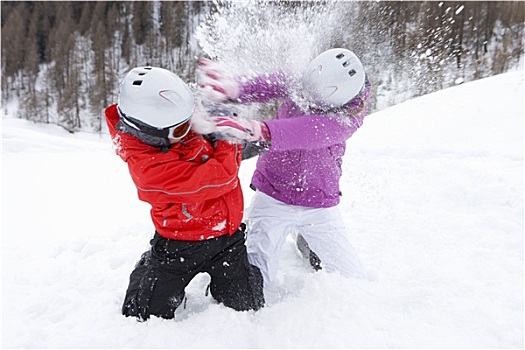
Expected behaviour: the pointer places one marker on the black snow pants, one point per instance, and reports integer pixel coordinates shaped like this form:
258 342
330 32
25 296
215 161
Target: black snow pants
157 283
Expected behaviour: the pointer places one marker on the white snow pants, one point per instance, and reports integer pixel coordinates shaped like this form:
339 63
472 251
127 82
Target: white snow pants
270 221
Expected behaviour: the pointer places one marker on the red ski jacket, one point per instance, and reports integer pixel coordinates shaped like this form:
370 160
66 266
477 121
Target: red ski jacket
193 189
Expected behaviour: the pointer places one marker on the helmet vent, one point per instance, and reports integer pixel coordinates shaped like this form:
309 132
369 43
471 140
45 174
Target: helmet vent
352 72
346 63
137 82
341 55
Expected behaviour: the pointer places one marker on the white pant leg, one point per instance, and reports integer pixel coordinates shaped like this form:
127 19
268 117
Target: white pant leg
326 234
268 221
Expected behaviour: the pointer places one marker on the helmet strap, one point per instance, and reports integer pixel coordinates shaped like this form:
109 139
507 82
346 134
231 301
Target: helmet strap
161 142
145 133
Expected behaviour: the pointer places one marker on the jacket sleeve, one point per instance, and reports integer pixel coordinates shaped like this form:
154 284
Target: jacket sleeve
263 88
111 119
316 131
169 179
319 130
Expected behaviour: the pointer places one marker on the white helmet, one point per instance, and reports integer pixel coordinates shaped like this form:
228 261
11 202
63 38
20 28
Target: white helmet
155 97
333 78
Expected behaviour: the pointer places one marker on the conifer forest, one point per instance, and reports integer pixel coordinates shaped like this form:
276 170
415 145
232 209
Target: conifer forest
62 61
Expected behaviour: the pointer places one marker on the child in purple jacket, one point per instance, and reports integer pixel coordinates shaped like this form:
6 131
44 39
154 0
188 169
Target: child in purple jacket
297 178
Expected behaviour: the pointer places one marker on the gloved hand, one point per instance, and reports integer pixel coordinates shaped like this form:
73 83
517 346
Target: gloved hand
200 121
216 85
242 129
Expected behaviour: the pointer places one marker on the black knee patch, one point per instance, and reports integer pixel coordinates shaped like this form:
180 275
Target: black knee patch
242 294
139 301
235 282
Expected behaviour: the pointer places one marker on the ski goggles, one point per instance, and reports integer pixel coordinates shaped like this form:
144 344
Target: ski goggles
175 132
180 130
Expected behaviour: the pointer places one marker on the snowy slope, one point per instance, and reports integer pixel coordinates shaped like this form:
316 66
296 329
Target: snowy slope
433 200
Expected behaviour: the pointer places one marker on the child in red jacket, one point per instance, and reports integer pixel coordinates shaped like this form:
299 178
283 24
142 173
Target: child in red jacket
196 200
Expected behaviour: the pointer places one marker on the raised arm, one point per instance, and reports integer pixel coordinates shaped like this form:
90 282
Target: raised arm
310 130
263 88
219 86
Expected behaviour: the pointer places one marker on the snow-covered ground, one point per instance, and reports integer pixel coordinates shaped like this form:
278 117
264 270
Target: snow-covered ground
433 200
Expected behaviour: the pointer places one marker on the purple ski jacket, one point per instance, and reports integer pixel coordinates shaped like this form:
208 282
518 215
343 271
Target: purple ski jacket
303 165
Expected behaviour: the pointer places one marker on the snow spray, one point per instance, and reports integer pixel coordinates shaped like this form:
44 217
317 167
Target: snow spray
252 37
